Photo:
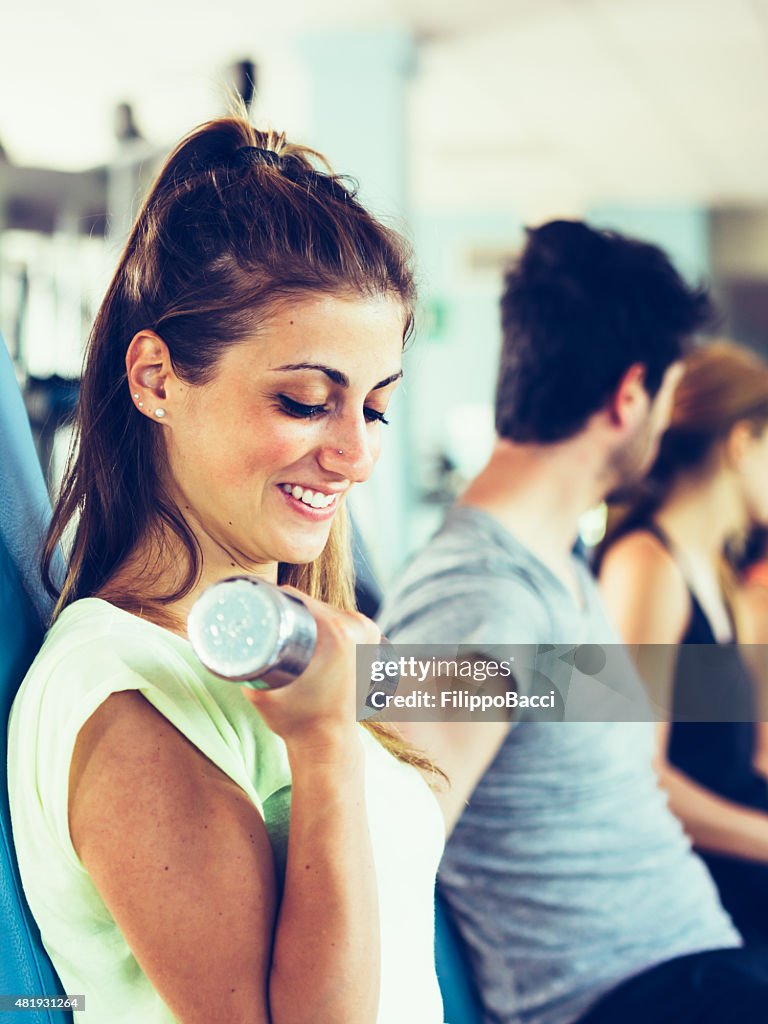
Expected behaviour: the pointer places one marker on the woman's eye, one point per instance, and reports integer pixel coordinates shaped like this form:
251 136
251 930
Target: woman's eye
299 409
374 416
303 411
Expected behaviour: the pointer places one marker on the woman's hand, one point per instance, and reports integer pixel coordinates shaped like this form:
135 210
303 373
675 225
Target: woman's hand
319 707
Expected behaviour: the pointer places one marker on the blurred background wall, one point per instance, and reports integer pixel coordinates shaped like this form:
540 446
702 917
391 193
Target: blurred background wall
463 122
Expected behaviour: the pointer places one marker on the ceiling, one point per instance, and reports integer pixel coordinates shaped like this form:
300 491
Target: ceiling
557 103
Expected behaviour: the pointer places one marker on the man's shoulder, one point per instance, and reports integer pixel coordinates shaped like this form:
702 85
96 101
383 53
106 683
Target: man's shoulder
464 581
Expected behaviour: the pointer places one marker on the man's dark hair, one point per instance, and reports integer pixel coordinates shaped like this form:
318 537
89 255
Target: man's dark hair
579 308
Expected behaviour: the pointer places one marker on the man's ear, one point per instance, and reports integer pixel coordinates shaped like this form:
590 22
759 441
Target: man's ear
738 442
630 401
150 371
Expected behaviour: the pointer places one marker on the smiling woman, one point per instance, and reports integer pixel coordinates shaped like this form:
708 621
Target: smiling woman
235 389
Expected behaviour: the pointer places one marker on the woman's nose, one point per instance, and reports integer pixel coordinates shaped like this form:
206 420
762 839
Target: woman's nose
348 451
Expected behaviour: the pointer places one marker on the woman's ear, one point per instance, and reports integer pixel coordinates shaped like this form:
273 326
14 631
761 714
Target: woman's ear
150 371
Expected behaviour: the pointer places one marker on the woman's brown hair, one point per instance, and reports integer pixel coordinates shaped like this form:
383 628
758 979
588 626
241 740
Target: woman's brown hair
237 220
723 384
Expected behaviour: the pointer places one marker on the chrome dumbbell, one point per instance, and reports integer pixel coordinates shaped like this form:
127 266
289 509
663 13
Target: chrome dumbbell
249 631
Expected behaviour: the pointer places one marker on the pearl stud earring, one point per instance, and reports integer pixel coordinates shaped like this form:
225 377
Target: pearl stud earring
159 413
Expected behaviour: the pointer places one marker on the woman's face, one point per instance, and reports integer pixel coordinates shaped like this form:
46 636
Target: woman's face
262 456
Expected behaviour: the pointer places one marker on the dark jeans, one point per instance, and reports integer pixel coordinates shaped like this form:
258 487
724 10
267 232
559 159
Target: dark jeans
722 986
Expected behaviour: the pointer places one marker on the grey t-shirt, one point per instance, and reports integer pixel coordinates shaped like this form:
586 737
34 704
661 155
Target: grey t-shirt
567 873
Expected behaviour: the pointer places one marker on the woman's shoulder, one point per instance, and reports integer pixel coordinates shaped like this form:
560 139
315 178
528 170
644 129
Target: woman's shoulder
91 650
751 606
757 575
95 650
645 589
92 639
643 551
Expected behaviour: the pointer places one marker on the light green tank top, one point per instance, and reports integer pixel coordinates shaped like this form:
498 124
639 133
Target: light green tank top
94 650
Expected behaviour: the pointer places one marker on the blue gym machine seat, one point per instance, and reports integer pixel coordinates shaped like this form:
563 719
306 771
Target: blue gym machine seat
25 969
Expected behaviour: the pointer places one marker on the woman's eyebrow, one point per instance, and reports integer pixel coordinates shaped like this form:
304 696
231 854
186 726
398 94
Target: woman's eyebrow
387 380
336 375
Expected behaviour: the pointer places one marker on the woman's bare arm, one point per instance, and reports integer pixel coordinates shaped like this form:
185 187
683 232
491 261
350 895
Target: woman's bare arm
649 602
644 593
182 860
714 824
752 605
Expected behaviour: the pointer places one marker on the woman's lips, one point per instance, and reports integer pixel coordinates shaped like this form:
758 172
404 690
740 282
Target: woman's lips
323 504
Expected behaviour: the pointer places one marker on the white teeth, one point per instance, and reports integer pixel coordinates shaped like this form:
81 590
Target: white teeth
315 499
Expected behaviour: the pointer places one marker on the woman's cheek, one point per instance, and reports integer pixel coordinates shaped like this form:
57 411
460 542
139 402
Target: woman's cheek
272 450
375 444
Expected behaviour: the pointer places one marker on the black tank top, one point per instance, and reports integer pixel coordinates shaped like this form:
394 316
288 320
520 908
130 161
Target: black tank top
712 682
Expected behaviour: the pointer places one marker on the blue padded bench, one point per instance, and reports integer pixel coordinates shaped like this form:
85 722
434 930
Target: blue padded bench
25 969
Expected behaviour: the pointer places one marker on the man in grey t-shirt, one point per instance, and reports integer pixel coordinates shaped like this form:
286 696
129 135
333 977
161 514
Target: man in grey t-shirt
575 890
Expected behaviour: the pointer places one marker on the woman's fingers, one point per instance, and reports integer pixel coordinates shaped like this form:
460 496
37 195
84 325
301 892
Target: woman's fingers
323 697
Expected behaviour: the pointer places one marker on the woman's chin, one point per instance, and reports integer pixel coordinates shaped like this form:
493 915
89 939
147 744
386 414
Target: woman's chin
302 554
282 545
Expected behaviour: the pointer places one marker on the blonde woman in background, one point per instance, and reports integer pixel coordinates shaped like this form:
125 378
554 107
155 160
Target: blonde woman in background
666 580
